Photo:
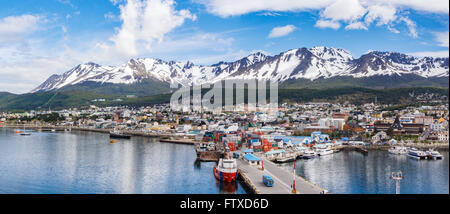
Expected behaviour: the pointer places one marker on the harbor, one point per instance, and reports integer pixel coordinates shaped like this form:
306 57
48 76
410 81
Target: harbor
145 165
266 156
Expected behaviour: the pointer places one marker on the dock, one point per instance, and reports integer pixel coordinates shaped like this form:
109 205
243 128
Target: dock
252 176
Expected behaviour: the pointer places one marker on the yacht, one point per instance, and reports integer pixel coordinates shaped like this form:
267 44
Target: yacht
308 154
398 150
323 152
286 158
417 154
433 154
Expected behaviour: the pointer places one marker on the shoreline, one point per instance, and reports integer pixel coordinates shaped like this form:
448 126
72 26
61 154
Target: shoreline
180 139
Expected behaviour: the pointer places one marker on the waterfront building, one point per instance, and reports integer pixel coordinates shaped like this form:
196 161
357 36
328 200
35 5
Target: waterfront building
252 160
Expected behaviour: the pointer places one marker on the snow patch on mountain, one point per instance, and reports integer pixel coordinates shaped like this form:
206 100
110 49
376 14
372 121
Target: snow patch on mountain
313 63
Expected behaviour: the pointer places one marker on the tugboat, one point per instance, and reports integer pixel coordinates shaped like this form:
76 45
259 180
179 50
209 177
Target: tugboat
226 170
118 134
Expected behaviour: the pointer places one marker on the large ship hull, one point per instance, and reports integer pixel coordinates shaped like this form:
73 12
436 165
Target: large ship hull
224 176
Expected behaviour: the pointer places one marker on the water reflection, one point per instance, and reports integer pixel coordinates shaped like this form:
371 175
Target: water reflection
353 172
226 188
83 162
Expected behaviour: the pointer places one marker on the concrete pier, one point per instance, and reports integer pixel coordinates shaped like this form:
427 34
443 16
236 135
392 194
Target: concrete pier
283 179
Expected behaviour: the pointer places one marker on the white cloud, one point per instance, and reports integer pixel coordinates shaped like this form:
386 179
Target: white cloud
430 54
345 10
327 24
226 8
411 26
16 28
281 31
385 14
442 38
269 13
356 26
393 30
334 13
111 17
144 23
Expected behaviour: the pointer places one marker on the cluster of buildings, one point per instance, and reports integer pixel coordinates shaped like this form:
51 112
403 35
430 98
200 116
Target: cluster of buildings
369 122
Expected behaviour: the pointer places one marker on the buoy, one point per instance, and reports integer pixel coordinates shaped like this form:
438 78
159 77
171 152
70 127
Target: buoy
112 141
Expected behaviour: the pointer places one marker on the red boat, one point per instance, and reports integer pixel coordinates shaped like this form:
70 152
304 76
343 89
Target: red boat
226 170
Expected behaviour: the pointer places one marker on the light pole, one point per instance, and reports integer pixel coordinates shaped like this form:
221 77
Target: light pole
294 191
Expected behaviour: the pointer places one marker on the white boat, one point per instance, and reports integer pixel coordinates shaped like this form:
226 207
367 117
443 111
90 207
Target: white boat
286 158
398 150
308 154
323 152
433 154
417 154
25 133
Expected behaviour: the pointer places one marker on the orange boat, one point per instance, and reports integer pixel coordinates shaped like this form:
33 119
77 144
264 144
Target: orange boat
226 170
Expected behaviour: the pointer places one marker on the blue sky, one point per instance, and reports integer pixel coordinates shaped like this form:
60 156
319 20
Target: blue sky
39 38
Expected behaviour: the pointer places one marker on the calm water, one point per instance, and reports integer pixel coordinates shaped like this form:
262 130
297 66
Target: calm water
83 162
353 172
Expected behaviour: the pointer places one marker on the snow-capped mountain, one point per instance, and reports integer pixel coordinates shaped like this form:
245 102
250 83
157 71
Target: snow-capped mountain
303 63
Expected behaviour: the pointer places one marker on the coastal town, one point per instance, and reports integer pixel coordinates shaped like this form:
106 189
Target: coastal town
255 140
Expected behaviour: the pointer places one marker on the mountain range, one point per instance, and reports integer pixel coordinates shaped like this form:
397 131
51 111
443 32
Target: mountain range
318 73
315 67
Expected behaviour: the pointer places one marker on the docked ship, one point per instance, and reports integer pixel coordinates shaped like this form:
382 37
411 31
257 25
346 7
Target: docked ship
226 170
286 158
398 150
417 154
433 154
119 134
308 154
323 152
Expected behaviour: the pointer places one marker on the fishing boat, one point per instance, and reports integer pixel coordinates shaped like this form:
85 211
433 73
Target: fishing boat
119 134
323 152
226 170
417 154
433 154
398 150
